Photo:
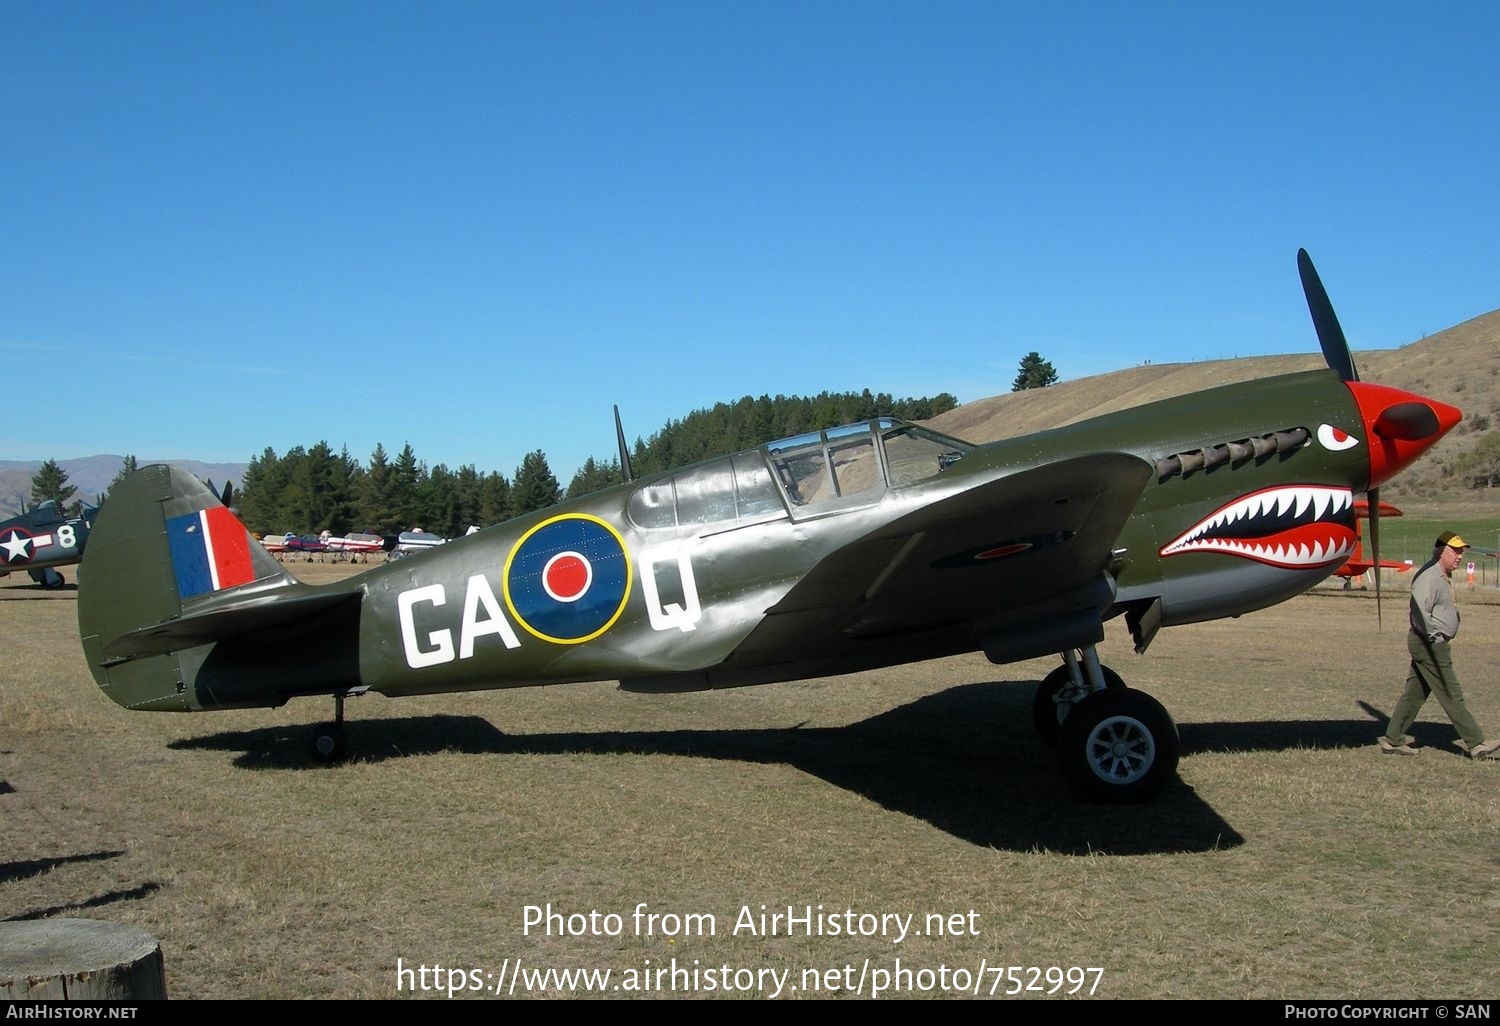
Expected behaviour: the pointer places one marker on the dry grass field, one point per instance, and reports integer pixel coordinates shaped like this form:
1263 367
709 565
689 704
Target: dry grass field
1292 860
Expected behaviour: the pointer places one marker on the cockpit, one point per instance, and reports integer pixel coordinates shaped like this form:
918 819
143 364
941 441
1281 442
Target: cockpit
806 475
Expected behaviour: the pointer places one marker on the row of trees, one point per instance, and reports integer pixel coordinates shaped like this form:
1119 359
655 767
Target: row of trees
314 488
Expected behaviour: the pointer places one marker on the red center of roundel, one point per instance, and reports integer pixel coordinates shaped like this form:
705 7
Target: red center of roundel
566 576
1001 551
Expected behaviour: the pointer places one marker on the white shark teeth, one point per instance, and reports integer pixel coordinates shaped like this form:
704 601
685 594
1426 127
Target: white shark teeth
1308 503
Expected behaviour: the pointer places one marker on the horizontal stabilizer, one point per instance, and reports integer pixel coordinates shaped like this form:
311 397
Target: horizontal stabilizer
217 621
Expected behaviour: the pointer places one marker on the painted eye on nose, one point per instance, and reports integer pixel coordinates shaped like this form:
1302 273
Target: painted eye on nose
1335 440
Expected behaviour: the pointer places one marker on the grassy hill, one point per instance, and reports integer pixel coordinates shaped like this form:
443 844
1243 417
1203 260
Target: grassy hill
1459 366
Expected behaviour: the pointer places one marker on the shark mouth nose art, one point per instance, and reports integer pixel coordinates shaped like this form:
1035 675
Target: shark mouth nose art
1293 526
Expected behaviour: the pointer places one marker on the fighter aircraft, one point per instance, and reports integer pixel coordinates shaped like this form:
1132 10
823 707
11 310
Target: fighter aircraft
43 538
870 545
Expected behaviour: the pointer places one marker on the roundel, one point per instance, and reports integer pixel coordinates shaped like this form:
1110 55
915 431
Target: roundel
567 579
13 548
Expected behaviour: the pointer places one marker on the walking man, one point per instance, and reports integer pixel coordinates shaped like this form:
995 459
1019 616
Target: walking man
1434 623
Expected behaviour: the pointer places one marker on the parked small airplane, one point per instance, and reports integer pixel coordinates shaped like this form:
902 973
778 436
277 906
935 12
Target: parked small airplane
357 545
409 543
870 545
276 542
1359 564
42 539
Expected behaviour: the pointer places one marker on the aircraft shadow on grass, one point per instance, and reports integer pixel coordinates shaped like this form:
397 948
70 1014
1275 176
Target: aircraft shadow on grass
30 592
25 869
145 890
948 759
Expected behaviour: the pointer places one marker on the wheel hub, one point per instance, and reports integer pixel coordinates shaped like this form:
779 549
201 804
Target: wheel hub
1121 750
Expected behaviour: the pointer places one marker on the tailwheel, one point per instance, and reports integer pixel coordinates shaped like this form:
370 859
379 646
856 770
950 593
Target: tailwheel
1118 746
1056 697
329 743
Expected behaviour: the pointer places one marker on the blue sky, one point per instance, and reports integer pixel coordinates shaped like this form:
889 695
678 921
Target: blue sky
474 226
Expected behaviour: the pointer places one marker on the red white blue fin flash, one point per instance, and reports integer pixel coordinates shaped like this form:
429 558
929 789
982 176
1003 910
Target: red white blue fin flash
210 551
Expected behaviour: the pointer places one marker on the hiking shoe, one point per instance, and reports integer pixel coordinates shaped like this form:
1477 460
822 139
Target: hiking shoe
1485 750
1404 748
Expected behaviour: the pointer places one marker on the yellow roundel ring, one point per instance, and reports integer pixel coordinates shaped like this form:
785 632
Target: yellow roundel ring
567 579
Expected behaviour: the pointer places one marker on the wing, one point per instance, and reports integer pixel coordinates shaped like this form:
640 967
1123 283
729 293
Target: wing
1008 561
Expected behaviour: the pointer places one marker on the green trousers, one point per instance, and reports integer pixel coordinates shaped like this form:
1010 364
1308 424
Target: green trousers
1432 673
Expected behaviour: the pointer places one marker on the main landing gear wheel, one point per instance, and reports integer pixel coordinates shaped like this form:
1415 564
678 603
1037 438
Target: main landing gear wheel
329 743
1049 709
1118 746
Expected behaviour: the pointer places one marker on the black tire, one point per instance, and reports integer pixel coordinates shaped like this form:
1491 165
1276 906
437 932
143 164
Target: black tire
1118 746
329 743
1046 714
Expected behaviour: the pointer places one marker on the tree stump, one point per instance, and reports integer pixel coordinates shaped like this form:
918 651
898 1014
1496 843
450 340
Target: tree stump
79 960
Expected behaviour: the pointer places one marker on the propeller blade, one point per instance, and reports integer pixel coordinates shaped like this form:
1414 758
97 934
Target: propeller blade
1374 497
1409 422
227 498
1325 321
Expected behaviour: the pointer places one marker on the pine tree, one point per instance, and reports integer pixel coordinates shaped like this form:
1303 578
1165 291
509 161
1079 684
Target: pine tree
127 466
494 501
377 504
594 476
1035 373
407 477
51 482
260 493
535 487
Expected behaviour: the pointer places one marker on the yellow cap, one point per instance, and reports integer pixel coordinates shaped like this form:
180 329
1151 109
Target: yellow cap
1452 540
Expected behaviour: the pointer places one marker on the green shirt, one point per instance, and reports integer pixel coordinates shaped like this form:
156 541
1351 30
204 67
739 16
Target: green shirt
1433 610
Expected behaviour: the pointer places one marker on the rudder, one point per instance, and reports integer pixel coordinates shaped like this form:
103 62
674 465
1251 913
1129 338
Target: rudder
162 545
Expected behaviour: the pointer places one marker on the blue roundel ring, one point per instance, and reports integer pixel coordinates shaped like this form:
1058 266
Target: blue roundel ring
567 579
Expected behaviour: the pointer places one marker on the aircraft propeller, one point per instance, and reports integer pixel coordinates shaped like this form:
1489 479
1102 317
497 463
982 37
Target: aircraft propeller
1409 421
226 496
1325 321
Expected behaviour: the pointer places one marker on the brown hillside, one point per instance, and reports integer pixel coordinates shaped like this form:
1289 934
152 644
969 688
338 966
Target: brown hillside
1460 366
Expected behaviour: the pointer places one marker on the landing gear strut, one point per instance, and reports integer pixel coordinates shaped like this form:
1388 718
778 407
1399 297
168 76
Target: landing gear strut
329 743
1114 744
1066 686
48 578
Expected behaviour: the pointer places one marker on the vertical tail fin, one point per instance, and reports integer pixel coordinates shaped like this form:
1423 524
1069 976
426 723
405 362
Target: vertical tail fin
162 548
